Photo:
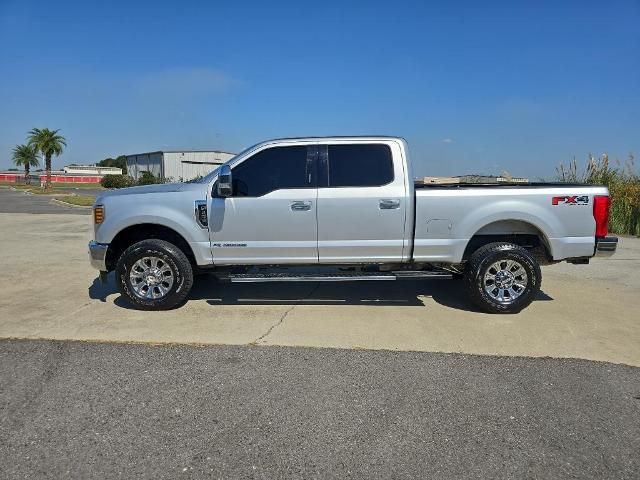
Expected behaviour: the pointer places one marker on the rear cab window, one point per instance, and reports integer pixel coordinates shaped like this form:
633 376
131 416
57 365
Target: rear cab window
359 165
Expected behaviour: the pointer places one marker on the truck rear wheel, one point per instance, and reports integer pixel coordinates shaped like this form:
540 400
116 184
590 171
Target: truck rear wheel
154 275
502 278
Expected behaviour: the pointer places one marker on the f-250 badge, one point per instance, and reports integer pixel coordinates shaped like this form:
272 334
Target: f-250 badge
570 200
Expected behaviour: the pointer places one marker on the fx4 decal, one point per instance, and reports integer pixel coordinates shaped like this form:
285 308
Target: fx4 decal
570 200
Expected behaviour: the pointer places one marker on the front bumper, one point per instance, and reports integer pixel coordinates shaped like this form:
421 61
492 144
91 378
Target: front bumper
606 246
98 255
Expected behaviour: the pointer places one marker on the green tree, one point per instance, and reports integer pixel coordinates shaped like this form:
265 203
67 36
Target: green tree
120 162
25 156
49 143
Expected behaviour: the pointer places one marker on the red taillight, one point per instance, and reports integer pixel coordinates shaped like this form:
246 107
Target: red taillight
601 206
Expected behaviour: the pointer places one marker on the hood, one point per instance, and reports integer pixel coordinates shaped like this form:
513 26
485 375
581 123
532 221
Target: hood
158 188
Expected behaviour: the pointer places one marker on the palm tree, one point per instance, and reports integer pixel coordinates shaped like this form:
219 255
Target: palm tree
49 143
25 156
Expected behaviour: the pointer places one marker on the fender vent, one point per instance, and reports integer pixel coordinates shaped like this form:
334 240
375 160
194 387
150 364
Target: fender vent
202 217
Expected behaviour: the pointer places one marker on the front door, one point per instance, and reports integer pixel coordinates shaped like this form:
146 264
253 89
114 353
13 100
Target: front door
361 203
270 218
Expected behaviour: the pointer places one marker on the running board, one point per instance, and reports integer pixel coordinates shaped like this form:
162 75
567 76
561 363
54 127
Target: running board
340 277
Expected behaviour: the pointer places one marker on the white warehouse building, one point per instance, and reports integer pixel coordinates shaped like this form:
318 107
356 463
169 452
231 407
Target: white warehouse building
176 165
91 170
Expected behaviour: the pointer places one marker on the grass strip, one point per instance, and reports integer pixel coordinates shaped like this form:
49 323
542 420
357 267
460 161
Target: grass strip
78 200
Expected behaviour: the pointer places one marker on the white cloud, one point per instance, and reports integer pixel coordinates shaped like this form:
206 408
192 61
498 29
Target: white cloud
447 140
185 82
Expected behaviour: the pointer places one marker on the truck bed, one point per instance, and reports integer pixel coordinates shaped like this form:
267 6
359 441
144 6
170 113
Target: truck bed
420 186
447 216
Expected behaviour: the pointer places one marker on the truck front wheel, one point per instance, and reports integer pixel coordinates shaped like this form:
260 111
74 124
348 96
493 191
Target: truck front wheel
154 275
502 278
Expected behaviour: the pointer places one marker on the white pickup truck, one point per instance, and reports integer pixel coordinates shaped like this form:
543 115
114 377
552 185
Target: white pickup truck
342 209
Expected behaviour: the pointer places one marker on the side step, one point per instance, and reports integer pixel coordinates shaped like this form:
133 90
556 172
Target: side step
333 277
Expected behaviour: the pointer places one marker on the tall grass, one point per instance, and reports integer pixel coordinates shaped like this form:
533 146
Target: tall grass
623 183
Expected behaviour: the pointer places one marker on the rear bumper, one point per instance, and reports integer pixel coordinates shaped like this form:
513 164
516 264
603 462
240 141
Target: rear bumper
606 246
98 255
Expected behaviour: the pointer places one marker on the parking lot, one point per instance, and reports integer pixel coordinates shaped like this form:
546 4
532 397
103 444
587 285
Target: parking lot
489 409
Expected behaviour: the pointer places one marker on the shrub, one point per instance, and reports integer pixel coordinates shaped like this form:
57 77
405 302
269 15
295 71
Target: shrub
147 178
624 187
117 181
195 179
624 216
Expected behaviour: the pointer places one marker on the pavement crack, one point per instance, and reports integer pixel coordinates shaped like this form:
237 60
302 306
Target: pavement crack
73 312
283 316
279 322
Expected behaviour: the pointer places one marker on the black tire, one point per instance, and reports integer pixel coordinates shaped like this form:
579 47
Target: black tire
484 259
169 256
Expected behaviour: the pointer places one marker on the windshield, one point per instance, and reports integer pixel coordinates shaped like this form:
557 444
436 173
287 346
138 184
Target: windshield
207 178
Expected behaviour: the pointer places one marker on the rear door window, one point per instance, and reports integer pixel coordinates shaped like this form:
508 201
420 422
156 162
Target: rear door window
365 165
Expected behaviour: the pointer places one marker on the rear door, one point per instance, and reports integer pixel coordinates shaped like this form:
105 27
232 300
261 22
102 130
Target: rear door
271 216
361 203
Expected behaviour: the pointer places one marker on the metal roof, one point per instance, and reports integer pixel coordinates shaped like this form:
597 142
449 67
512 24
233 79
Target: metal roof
337 137
179 151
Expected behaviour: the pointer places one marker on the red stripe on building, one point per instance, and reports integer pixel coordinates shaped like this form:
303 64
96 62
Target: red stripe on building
14 177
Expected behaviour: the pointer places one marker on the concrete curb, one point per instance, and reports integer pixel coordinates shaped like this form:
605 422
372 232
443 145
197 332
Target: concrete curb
21 190
59 202
44 195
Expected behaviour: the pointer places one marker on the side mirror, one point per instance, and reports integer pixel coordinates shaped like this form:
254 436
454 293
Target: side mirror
225 188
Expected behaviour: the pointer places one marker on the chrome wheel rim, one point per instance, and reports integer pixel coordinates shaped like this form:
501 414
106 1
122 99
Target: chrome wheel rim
505 280
151 278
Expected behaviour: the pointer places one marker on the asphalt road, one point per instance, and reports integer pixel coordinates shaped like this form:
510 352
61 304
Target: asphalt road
14 201
85 410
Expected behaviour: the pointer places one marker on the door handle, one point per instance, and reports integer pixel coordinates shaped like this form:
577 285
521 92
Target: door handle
300 206
389 204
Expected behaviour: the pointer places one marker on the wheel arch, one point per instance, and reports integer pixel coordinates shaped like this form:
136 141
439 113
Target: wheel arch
517 231
145 231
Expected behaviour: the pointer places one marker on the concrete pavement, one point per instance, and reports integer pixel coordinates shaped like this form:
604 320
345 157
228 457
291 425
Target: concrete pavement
49 291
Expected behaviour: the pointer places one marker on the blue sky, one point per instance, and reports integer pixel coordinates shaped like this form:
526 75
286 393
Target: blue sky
475 87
